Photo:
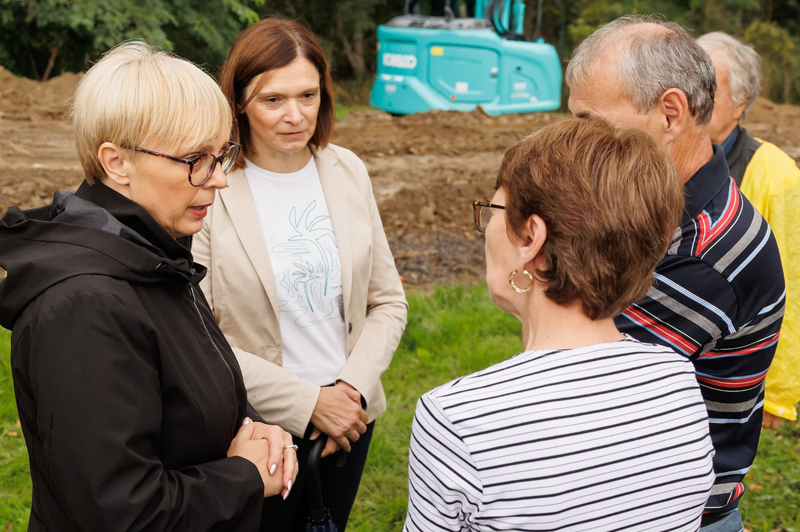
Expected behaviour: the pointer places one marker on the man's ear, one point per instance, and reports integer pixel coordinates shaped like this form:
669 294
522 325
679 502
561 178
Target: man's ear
533 235
675 107
738 110
113 158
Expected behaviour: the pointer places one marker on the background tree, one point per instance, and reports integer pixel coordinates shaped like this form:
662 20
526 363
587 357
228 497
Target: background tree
778 51
42 38
345 27
723 15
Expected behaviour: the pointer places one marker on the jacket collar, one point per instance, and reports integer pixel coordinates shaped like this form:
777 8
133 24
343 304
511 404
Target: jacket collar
728 143
240 206
242 209
176 254
740 154
334 186
705 184
133 216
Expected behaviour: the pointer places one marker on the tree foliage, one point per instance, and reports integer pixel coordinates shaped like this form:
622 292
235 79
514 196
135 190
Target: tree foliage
346 28
41 38
770 26
38 37
778 51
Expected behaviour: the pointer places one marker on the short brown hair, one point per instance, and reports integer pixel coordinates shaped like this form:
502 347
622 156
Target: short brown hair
266 45
611 200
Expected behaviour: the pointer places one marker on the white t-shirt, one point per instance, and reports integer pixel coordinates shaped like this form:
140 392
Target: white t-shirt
305 260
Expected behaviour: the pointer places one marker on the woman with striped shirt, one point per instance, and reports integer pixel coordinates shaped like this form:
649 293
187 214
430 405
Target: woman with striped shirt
586 429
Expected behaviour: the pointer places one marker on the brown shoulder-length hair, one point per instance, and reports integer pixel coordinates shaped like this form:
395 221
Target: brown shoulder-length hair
266 45
611 200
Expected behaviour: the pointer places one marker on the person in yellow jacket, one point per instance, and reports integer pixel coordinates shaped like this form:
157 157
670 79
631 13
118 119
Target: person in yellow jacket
770 179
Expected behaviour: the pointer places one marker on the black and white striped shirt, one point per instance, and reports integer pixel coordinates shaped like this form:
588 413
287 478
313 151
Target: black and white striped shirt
606 437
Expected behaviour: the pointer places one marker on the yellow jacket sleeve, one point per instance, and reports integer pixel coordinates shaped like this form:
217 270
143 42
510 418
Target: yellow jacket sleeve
772 184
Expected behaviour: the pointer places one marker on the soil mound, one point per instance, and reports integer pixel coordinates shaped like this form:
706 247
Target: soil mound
24 99
776 123
437 132
425 168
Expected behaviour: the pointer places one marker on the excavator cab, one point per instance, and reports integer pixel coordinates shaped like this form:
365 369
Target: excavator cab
458 63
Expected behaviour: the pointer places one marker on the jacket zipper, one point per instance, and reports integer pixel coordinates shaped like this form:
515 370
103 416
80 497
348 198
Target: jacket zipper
208 334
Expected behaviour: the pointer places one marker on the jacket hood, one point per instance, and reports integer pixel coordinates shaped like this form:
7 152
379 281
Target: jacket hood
94 231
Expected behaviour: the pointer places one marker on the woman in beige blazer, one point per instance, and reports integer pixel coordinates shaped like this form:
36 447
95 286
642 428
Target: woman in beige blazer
300 275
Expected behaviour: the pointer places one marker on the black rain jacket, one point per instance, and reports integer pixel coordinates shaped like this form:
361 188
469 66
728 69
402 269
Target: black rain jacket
128 393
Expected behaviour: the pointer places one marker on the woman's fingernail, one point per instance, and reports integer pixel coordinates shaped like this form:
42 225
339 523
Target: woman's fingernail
289 488
285 494
272 468
246 421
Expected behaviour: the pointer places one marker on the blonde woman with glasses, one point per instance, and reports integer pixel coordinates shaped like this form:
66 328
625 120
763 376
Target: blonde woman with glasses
132 402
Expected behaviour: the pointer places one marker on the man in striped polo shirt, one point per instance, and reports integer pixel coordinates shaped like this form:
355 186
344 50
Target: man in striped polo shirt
719 293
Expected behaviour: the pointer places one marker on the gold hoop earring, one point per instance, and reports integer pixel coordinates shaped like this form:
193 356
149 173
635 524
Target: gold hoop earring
515 287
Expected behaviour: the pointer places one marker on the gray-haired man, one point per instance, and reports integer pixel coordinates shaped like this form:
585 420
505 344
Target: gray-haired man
771 181
719 292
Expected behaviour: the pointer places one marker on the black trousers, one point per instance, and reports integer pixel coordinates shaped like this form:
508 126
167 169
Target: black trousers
339 487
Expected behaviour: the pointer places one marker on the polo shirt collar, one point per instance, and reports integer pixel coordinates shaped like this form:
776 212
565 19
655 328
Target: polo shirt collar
706 183
728 143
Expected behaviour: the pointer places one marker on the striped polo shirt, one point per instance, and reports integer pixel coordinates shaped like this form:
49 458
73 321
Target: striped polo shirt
607 437
718 300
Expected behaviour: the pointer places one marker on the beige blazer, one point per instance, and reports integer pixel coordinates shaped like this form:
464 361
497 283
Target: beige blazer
240 287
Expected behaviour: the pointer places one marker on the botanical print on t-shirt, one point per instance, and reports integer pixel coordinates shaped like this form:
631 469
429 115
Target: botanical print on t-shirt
309 284
304 256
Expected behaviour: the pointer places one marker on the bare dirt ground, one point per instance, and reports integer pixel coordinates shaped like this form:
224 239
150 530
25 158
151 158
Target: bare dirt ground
426 169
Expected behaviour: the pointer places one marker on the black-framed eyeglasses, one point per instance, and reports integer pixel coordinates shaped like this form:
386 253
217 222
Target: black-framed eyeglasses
202 166
482 211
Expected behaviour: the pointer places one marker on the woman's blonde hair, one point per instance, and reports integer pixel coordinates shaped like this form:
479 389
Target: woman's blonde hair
135 96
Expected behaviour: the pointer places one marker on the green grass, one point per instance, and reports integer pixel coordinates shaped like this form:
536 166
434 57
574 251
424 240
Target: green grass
15 482
344 110
451 332
456 331
352 95
773 499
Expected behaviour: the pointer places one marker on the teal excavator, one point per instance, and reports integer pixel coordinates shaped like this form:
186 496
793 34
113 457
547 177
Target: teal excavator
459 63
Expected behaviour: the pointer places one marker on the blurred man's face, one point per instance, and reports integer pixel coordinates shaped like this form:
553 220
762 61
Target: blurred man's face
604 97
726 111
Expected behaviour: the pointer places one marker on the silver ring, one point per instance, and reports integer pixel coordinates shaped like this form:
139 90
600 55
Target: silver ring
291 447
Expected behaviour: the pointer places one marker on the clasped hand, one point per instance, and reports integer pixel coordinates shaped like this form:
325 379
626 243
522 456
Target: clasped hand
338 414
266 447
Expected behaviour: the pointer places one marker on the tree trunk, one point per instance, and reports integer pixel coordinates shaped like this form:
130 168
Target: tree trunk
530 17
767 10
31 12
33 67
50 62
787 84
353 49
359 64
